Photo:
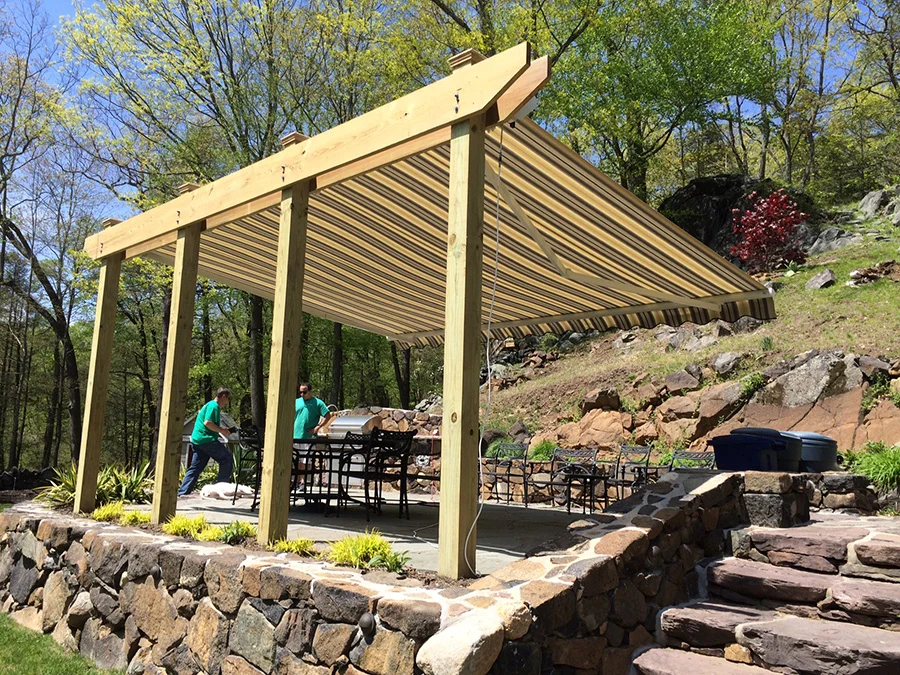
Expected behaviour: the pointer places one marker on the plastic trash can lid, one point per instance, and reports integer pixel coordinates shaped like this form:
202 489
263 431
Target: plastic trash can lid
809 436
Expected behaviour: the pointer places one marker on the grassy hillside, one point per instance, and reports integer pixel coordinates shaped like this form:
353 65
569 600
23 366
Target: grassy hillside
862 320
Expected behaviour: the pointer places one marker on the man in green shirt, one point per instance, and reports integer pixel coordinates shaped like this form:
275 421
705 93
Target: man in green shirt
207 444
311 415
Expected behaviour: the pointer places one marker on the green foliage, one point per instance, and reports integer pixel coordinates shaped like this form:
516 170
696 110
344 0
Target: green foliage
541 451
879 388
24 652
185 526
133 518
60 492
303 547
750 384
493 449
549 341
114 484
766 344
237 531
631 405
881 465
365 551
109 512
210 533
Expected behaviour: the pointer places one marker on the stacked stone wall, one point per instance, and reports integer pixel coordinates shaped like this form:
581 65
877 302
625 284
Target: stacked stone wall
156 604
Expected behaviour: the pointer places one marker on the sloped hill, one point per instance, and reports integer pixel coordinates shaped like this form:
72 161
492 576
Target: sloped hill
861 320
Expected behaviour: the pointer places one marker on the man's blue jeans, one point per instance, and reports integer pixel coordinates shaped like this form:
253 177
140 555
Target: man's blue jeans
203 452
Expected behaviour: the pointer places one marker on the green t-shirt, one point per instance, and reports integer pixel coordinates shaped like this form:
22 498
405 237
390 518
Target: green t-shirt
201 434
308 414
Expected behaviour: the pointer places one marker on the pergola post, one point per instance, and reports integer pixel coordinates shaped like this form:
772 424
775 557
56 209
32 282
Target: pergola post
97 384
287 318
175 378
462 349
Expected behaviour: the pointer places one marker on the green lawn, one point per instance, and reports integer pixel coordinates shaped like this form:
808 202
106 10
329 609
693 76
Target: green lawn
24 652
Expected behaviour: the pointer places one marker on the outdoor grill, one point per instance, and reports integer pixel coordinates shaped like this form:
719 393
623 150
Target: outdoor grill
359 424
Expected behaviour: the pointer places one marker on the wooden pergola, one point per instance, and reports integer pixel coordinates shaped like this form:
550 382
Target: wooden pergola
373 223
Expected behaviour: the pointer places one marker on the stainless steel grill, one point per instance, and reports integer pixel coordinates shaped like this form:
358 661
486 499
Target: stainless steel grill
360 424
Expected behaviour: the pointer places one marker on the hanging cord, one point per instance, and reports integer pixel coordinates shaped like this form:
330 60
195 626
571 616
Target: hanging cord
487 352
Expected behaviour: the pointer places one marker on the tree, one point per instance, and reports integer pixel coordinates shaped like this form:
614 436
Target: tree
210 86
644 68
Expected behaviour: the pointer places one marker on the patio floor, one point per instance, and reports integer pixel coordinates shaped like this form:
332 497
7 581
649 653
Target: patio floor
505 533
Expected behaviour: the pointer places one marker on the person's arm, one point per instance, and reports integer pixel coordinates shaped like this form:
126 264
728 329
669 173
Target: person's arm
212 426
325 421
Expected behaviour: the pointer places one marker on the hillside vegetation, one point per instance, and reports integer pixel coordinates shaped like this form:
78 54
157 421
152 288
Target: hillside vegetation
859 319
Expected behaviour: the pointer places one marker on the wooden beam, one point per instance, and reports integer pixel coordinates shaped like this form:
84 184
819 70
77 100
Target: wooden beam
287 319
463 94
462 355
175 378
525 88
97 383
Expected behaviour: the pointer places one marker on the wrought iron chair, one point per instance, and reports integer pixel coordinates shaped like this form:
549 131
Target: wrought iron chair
390 455
569 468
356 446
249 458
631 471
509 462
686 459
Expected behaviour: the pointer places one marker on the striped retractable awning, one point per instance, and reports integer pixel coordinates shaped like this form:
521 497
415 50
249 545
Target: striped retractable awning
576 250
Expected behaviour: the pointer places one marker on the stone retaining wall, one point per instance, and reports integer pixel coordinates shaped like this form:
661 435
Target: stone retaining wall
156 604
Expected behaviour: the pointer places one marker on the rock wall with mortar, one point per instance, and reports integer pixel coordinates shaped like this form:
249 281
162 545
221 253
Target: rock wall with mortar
151 603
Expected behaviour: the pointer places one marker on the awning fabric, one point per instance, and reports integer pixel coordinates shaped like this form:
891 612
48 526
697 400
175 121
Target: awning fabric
377 246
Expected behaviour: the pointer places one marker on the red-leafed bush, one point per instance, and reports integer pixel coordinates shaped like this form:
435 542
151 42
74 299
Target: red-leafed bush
767 232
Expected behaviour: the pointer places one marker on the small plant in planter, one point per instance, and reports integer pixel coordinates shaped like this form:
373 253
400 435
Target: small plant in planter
185 526
109 513
304 547
367 551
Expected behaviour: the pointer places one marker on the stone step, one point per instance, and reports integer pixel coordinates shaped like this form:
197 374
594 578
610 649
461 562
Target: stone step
877 599
753 579
658 661
815 647
708 623
813 541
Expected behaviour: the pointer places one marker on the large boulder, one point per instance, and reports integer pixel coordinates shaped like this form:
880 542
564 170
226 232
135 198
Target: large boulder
874 201
599 428
821 376
703 207
833 238
470 646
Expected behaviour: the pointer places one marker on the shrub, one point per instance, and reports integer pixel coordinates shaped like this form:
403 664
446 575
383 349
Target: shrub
210 533
493 449
766 343
879 388
364 551
185 526
304 547
132 518
60 492
108 513
395 561
114 484
750 384
238 531
882 468
541 451
767 232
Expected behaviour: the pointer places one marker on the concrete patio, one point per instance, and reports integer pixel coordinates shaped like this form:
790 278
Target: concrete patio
505 533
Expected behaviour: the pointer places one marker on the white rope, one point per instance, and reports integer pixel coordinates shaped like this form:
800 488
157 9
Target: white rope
487 351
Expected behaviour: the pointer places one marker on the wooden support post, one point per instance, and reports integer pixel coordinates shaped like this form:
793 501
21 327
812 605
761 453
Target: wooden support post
98 380
175 379
283 364
462 351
